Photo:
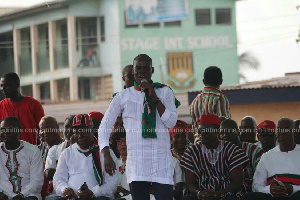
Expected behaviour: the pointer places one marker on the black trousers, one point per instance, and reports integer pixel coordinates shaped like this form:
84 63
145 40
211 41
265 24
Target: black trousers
140 190
233 197
31 198
62 198
264 196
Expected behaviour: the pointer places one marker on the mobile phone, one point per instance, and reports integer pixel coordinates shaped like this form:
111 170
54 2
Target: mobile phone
279 182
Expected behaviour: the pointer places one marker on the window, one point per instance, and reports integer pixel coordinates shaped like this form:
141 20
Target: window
175 23
202 16
102 29
223 16
152 25
129 25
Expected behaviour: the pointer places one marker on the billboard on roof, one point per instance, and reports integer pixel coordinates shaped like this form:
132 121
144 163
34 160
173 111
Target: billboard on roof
151 11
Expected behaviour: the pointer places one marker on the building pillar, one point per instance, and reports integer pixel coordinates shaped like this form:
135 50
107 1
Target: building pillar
34 48
72 41
17 49
53 91
74 88
36 92
52 44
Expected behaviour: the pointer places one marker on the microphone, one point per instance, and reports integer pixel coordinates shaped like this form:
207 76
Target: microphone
146 91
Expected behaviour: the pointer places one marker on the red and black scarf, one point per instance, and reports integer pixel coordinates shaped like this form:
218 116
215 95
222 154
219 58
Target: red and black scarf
94 149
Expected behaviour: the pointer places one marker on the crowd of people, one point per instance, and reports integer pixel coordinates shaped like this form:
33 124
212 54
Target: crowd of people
140 150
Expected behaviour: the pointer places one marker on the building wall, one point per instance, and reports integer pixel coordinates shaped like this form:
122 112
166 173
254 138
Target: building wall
158 41
270 111
110 56
108 50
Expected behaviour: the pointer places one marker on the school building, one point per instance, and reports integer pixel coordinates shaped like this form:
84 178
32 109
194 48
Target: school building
66 51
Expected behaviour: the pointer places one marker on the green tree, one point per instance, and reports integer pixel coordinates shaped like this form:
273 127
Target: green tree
247 61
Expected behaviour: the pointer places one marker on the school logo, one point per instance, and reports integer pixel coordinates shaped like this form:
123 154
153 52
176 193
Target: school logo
181 71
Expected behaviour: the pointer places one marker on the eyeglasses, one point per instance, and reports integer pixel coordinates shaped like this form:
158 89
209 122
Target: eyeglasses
131 76
121 141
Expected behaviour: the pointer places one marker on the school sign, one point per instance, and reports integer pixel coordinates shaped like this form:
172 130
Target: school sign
181 48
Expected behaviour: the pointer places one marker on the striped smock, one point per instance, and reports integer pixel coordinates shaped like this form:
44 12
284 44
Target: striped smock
212 167
254 153
209 101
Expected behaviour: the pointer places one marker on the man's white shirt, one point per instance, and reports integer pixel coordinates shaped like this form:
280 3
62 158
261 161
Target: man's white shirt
74 168
26 161
53 155
148 159
276 162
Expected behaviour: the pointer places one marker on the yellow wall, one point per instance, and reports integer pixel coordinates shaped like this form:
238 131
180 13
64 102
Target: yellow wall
270 111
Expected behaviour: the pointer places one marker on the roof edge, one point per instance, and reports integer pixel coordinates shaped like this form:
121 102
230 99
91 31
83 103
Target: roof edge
34 9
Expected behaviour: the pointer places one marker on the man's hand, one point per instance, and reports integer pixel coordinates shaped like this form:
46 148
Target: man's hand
109 164
148 86
69 193
3 196
85 194
18 197
49 173
279 191
209 195
289 189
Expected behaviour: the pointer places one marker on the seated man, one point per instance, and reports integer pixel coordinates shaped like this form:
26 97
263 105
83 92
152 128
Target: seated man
179 140
49 134
230 133
21 164
112 143
297 131
277 175
213 168
56 150
266 135
119 137
83 162
97 118
127 77
248 129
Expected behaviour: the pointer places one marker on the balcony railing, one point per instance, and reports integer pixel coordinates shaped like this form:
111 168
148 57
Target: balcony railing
43 62
62 58
87 52
25 65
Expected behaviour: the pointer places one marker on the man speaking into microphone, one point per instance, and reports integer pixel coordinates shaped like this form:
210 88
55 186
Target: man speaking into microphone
148 110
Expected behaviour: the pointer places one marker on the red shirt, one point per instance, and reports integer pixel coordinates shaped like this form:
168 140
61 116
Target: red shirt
29 111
